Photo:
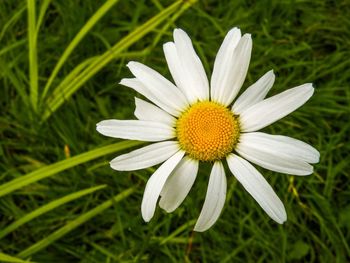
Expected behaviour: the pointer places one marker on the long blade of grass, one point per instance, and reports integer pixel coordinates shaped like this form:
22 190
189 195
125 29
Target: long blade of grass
33 63
47 208
168 24
16 16
178 231
81 34
77 70
62 92
42 12
12 46
60 166
16 83
43 243
11 259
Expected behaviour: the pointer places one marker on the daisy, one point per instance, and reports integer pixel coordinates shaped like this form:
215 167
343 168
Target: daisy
192 122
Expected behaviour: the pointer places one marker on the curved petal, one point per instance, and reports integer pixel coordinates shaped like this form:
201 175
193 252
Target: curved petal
254 93
214 199
278 153
145 157
136 130
179 74
178 184
195 75
160 88
146 111
274 108
136 85
155 185
275 162
279 145
230 70
221 71
257 187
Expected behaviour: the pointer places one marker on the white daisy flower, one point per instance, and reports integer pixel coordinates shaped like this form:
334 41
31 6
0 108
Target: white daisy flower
193 121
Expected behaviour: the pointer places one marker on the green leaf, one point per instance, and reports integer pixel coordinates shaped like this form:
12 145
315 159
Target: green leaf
43 243
64 165
47 208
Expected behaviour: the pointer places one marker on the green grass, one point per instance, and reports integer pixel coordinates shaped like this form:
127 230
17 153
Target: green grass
60 62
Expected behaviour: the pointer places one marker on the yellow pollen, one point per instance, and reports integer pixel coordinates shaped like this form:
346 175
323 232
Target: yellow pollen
207 131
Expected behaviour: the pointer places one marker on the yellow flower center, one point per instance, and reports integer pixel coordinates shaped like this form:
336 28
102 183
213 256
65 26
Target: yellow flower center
207 131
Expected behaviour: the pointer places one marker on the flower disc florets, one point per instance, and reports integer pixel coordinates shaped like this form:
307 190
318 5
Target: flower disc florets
207 131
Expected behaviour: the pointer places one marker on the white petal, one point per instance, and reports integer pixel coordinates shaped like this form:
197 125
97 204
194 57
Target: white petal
135 84
254 93
275 155
136 130
214 199
180 74
278 153
161 88
178 184
145 157
274 108
279 145
230 70
146 111
257 187
223 61
195 75
155 185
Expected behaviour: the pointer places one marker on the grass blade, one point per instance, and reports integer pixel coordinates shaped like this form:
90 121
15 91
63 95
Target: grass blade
16 83
47 208
16 16
62 92
60 166
12 46
77 70
74 224
42 12
33 63
7 258
81 34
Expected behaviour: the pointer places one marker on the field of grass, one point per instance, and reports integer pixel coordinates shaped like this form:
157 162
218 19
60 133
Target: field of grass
60 65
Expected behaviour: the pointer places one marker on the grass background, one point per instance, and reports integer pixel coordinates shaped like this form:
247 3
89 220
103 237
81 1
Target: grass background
303 41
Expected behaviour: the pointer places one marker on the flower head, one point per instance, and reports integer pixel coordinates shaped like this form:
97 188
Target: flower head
192 123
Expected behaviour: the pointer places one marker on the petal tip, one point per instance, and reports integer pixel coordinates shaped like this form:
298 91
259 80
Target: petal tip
247 36
308 86
178 30
168 44
283 219
199 228
146 219
165 207
99 124
180 34
146 216
132 64
234 29
113 166
123 81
